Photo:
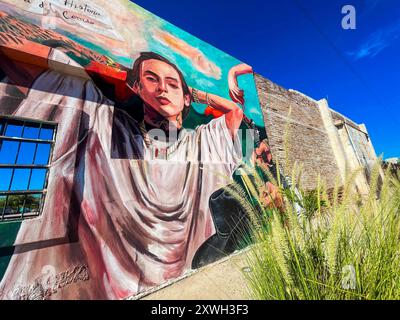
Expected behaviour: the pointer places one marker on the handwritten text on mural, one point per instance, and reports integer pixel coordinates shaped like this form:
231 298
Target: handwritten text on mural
75 12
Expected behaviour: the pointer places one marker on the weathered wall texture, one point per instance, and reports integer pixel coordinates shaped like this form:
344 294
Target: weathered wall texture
359 139
308 141
359 149
322 141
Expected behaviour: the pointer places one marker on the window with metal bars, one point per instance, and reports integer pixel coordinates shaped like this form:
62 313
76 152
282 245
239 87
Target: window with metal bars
25 153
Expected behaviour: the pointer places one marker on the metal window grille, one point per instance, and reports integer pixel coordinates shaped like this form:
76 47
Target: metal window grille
26 148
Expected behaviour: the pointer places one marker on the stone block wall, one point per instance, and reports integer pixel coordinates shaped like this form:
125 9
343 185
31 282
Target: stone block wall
295 118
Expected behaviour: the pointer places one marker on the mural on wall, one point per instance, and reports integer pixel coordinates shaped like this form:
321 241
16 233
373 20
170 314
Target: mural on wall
147 132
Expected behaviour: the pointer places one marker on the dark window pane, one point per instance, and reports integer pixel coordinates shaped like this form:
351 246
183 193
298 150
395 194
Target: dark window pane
14 206
13 130
37 179
43 153
32 203
46 133
8 151
31 131
5 177
26 152
20 179
1 127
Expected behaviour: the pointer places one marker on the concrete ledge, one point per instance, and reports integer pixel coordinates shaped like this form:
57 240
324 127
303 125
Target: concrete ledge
222 280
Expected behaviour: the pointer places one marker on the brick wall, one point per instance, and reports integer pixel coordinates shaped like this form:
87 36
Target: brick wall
308 142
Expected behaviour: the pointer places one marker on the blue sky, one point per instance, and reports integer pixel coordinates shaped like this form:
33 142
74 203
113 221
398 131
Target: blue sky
300 44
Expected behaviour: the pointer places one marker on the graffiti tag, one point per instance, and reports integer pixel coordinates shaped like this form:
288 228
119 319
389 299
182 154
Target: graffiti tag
49 283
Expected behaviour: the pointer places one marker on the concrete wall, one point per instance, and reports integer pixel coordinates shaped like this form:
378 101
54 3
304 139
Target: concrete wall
360 150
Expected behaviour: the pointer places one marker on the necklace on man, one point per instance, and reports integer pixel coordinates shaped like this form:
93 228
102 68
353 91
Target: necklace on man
168 150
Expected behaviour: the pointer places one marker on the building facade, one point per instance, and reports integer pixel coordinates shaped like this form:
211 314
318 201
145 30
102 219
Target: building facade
119 134
324 144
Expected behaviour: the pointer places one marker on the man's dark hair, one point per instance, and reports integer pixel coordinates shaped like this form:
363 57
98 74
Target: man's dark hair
134 74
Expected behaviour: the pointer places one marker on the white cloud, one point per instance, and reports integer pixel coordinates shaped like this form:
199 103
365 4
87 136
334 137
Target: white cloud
377 41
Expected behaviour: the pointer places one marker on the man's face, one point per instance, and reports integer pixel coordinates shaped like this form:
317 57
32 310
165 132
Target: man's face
160 87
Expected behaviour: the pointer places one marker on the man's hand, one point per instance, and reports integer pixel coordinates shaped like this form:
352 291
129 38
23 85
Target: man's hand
237 94
271 197
262 155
